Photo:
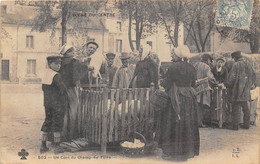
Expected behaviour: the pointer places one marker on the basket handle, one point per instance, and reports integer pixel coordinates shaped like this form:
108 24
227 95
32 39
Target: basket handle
140 135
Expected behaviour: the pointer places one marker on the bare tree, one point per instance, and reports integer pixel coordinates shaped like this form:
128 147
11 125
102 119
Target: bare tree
140 14
51 12
250 36
199 22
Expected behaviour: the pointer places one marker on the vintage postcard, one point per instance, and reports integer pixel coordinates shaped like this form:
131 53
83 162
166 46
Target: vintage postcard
129 81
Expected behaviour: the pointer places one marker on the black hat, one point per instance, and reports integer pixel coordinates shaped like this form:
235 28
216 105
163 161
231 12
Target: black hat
124 56
236 54
54 58
110 55
220 58
205 57
92 42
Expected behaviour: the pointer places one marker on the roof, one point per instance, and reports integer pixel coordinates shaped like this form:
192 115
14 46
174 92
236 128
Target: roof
21 15
24 15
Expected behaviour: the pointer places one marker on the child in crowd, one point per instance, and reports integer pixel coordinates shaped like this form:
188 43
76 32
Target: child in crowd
54 92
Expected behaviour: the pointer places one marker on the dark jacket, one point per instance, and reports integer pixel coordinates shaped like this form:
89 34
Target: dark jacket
72 70
240 80
146 71
108 73
182 73
54 94
220 76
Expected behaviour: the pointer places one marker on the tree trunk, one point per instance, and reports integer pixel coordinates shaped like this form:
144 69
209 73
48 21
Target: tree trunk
194 37
254 42
130 31
176 32
64 22
164 22
137 21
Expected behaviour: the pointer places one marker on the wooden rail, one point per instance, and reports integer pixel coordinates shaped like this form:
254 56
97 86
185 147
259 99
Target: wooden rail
109 115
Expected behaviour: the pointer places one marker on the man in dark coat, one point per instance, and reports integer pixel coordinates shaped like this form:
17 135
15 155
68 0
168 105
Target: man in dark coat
240 80
219 71
108 69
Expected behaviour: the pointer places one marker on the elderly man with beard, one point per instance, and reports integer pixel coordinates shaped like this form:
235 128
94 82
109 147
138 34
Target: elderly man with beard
108 69
124 74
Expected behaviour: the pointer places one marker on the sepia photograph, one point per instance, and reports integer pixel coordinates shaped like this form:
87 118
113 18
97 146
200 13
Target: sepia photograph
130 81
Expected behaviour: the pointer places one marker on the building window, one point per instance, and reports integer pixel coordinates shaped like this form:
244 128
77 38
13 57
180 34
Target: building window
31 67
3 9
118 45
119 26
150 43
134 26
60 42
91 39
134 44
29 41
5 70
170 45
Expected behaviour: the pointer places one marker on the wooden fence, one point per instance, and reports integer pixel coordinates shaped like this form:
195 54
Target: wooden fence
108 115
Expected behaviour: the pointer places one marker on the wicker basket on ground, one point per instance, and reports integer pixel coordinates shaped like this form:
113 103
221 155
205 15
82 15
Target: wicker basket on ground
146 149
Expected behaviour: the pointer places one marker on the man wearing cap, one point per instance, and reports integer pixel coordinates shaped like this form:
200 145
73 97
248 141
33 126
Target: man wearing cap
124 74
109 69
94 60
240 80
204 71
54 92
219 71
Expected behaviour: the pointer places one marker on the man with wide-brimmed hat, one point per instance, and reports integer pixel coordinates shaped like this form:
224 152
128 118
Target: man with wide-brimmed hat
204 71
124 74
240 80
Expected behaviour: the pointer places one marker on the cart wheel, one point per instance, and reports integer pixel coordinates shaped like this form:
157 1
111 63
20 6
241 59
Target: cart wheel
252 122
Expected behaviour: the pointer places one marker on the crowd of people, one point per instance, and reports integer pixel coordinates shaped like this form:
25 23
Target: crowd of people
180 121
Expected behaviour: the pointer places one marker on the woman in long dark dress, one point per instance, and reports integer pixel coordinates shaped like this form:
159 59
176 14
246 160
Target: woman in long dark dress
179 138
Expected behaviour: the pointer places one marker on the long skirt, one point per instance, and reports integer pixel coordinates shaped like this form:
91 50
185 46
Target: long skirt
180 138
70 125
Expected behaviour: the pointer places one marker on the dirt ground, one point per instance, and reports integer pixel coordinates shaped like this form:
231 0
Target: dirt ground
22 115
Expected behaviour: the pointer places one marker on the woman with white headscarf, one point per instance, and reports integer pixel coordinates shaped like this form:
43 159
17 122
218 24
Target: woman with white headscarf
146 70
179 128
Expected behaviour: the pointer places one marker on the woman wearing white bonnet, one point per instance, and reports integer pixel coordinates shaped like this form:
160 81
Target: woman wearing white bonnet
181 52
146 70
179 121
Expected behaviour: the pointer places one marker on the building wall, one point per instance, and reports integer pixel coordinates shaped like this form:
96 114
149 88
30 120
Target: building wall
228 45
15 49
161 45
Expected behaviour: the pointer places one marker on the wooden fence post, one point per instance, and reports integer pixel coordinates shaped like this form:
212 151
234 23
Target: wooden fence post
104 122
220 107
